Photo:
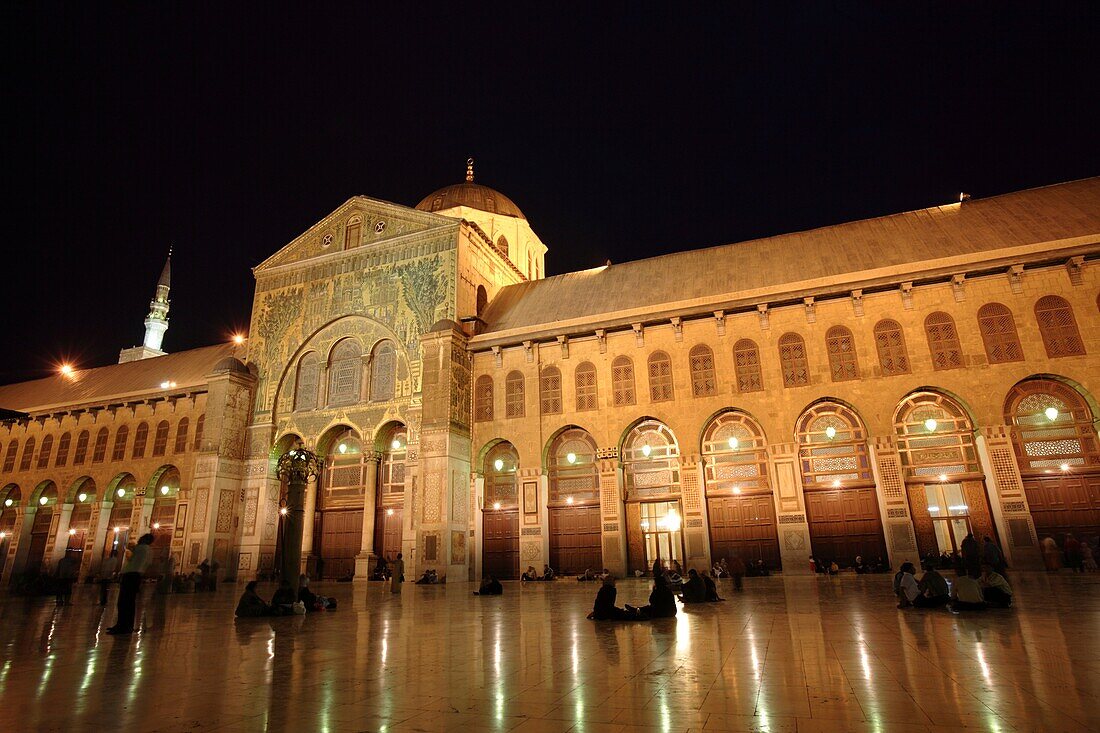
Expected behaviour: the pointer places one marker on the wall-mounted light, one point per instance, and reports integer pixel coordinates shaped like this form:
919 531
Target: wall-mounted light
943 477
8 502
117 529
343 448
498 464
81 497
282 511
569 500
733 442
571 458
1064 467
737 490
389 512
496 506
646 450
836 483
396 444
930 424
164 490
43 500
72 532
156 525
120 493
830 432
1051 413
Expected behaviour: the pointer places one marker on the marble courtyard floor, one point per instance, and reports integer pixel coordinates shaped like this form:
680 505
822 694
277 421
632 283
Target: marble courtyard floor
789 654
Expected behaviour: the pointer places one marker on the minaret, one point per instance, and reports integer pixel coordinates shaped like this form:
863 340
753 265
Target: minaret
156 323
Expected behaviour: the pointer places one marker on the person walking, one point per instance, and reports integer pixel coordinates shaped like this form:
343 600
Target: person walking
972 556
129 584
67 569
1052 558
737 570
398 575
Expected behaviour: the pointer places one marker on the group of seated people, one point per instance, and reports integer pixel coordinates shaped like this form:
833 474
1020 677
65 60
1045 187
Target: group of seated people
662 603
861 566
381 570
490 586
590 574
699 588
967 593
284 602
530 574
430 577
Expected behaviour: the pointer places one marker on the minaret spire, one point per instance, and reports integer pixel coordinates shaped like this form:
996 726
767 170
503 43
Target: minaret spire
469 170
156 323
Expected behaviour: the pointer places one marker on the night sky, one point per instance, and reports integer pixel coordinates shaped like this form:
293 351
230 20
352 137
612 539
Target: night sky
622 131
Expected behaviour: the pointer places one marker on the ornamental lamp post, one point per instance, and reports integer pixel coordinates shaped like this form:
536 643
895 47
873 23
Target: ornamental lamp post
296 467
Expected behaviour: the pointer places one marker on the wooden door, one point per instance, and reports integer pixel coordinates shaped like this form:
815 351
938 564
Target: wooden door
575 539
845 523
387 532
744 526
79 521
341 540
635 539
162 523
500 543
1065 504
40 535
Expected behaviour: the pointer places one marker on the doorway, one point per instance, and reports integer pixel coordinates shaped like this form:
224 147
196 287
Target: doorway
500 543
662 539
575 536
744 526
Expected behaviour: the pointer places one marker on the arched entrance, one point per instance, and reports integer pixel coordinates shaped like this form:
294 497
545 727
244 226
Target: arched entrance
841 507
121 492
500 515
654 517
740 507
574 503
338 521
390 494
82 495
1054 433
9 503
44 499
165 488
943 478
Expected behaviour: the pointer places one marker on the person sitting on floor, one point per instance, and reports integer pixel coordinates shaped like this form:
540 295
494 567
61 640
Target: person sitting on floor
712 590
251 605
604 609
547 572
934 591
662 604
311 600
430 577
907 585
716 570
282 603
995 589
966 594
529 574
586 575
695 591
381 570
490 586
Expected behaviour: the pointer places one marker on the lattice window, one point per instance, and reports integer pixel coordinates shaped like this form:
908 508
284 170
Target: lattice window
584 381
832 447
893 357
514 395
651 460
353 232
660 377
622 381
502 245
1053 429
160 441
198 432
81 448
9 457
28 455
501 465
45 452
943 341
181 435
343 478
703 379
141 437
793 361
345 373
118 452
383 372
550 390
309 379
735 456
841 346
573 471
99 451
935 436
746 365
483 399
63 450
1058 327
391 487
998 328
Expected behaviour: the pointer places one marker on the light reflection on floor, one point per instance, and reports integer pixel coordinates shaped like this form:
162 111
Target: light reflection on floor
795 654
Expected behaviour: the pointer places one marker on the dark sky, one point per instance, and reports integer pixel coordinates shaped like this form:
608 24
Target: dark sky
623 130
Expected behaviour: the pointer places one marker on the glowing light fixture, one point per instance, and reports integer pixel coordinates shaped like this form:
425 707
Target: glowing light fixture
164 490
737 490
167 384
672 521
117 529
646 450
1064 467
943 477
1051 413
343 448
238 338
733 442
156 525
72 532
389 512
3 535
66 370
81 497
496 505
571 457
396 444
569 500
8 502
836 483
930 424
42 500
498 464
120 493
830 432
282 511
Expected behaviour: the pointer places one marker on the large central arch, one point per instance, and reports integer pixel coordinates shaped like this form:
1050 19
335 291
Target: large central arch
574 502
650 456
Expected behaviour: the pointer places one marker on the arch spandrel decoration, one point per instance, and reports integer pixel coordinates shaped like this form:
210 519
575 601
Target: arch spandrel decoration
935 437
1053 428
832 447
735 455
574 474
651 461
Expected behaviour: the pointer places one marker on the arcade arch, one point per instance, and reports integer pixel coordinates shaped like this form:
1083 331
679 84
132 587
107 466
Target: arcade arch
574 502
500 515
650 457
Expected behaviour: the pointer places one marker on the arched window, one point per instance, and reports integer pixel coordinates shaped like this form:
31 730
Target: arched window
118 452
574 474
45 452
81 448
584 379
832 447
502 245
1058 327
483 398
501 464
345 373
943 341
481 300
841 347
352 232
550 390
309 377
9 457
893 357
746 365
530 269
99 452
651 460
660 377
141 437
622 381
998 328
513 395
935 437
181 435
63 450
792 359
735 455
1053 428
160 441
383 372
343 482
703 379
28 455
392 470
198 432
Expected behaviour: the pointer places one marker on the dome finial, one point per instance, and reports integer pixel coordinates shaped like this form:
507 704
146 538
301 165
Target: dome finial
469 170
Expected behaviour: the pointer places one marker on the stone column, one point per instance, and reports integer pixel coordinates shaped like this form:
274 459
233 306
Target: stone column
790 508
1007 499
297 466
14 539
893 503
477 488
21 539
366 559
696 546
97 536
61 538
309 517
612 512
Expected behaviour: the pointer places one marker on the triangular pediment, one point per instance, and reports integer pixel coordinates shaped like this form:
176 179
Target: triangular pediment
378 221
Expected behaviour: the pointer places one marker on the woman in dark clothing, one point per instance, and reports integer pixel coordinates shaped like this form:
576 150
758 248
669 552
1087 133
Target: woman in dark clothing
695 590
490 587
605 609
712 589
662 604
251 605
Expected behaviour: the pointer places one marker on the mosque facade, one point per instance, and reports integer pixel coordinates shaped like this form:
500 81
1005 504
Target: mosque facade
876 389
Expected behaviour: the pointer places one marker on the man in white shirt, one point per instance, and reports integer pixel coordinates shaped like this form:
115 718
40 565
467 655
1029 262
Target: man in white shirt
966 594
129 583
908 590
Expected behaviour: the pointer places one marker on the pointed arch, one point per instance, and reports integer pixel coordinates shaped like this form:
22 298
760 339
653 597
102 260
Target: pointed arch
572 467
1053 427
735 454
935 436
832 446
345 373
651 459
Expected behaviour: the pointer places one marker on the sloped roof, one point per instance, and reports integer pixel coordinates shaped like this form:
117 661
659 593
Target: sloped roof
187 369
757 267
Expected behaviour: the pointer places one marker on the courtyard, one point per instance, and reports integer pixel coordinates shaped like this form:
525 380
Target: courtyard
788 654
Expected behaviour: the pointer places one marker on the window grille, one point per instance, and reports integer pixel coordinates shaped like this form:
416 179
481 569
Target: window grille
118 452
345 373
182 429
198 432
483 399
792 359
1058 327
746 366
735 456
622 381
704 382
585 382
28 455
935 436
45 451
943 341
651 460
309 377
841 347
160 441
550 390
1052 427
81 448
141 437
9 457
1002 342
574 472
392 468
832 447
100 449
352 233
500 483
660 377
513 395
63 450
893 357
383 372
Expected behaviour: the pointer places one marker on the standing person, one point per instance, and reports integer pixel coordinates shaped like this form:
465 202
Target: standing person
67 569
129 583
972 556
992 555
1052 559
398 575
1072 547
737 570
1088 559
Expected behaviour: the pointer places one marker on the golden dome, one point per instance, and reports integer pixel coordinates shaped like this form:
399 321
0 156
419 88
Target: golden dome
472 195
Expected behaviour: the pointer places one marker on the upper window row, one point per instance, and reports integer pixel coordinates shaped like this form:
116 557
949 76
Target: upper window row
345 376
